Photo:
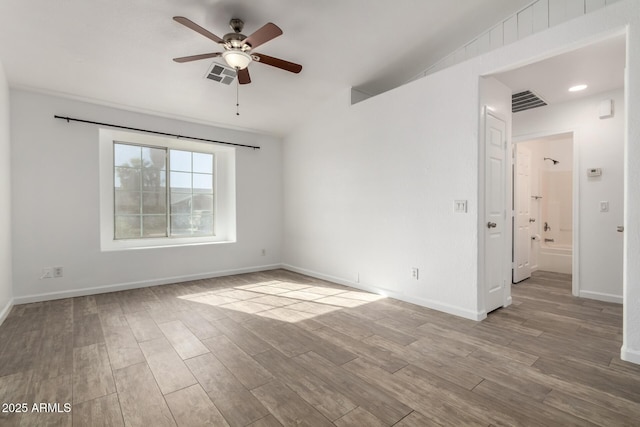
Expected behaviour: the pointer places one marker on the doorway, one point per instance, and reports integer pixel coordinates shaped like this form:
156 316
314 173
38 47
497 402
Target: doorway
594 120
544 202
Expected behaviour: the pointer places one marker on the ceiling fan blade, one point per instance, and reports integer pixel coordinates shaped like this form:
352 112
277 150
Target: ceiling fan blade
268 31
243 76
197 57
197 28
276 62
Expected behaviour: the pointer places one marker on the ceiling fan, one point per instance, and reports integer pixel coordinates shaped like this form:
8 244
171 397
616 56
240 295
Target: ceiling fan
238 48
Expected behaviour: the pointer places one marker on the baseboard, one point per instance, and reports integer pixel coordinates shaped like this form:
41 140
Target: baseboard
6 310
140 284
628 355
601 296
435 305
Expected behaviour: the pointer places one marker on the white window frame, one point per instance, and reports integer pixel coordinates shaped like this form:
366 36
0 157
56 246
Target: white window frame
224 191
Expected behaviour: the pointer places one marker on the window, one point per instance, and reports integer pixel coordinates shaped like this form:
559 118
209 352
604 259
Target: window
140 191
161 191
191 178
140 185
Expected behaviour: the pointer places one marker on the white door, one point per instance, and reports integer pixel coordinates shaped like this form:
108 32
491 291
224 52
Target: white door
522 215
495 212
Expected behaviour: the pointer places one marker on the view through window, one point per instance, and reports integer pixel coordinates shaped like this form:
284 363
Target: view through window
162 192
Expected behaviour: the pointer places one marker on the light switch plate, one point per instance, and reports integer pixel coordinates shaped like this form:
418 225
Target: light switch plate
460 206
604 206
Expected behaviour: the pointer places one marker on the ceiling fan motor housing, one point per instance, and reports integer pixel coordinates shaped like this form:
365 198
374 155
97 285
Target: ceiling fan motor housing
235 41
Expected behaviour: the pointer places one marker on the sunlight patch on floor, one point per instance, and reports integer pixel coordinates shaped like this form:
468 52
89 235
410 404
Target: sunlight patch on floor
283 301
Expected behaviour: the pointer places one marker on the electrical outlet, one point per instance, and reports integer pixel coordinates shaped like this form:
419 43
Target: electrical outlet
415 273
51 272
57 271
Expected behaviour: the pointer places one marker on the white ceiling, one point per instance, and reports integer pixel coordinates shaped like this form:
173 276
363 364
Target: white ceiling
599 65
119 52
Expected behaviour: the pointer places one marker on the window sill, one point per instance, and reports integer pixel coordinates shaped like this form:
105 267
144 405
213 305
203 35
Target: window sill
141 244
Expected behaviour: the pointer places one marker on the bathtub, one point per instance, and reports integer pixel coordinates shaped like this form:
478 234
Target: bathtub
555 257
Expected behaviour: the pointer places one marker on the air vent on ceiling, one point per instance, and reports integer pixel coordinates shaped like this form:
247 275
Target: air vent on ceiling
525 101
221 74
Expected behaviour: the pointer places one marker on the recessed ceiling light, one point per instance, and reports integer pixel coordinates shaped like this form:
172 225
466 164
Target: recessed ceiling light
577 88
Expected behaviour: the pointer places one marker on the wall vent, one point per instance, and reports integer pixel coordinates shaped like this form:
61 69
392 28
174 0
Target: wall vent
525 101
221 74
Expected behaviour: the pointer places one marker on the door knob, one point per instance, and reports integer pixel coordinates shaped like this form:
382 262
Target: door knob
491 225
620 229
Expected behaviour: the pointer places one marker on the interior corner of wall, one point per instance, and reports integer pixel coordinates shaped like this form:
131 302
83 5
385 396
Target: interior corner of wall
4 311
629 355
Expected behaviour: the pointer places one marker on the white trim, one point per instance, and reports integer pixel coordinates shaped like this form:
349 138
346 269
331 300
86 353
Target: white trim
6 310
628 355
224 190
140 284
575 249
541 135
435 305
600 296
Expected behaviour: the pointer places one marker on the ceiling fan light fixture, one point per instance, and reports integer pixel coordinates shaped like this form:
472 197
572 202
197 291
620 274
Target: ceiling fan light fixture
237 59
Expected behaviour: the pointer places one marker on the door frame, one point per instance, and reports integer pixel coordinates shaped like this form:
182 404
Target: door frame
575 254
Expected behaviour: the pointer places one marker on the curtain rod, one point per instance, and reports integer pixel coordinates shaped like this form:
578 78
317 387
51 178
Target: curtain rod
70 119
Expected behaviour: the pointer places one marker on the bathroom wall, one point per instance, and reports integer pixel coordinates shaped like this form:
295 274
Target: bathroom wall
557 190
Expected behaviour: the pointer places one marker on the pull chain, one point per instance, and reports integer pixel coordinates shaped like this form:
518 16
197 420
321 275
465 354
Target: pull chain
237 93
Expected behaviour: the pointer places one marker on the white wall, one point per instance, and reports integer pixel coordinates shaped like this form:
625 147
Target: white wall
369 188
598 143
6 285
56 204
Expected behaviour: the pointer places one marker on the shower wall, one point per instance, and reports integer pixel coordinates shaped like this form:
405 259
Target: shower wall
557 191
557 209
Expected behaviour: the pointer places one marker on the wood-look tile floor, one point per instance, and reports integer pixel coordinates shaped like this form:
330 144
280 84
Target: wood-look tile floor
277 348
